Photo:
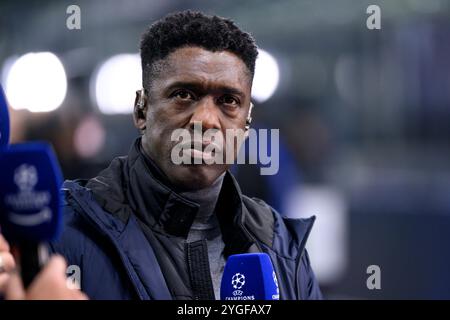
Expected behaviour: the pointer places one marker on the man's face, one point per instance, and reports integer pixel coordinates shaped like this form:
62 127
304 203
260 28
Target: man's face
195 86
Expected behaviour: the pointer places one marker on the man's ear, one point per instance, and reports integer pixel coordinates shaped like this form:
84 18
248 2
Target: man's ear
140 110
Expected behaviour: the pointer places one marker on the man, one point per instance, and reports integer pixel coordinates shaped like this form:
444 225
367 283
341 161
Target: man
148 228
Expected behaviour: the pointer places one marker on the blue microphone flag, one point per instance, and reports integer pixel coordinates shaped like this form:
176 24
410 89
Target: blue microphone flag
30 205
249 276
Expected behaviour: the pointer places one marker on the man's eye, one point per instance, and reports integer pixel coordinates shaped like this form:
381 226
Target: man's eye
229 100
183 95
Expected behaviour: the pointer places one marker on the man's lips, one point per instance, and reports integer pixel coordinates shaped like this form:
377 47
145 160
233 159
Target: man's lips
197 149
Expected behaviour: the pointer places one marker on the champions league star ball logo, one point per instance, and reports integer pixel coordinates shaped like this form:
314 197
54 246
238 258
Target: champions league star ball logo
238 281
26 177
27 199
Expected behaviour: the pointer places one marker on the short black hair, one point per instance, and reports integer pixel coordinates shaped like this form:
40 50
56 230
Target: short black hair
193 28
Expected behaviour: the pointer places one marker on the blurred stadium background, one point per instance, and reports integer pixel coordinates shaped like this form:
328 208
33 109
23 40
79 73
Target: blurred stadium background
364 118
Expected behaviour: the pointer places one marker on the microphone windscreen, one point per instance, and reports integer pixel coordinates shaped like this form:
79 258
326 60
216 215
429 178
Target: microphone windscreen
30 202
249 276
4 120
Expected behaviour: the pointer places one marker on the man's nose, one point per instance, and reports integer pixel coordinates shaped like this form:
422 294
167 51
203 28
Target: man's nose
207 113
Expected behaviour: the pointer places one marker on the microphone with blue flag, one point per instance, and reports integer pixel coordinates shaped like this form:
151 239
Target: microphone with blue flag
30 208
249 276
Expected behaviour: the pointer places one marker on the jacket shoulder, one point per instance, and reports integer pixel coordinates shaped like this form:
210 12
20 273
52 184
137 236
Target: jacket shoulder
83 246
73 242
286 239
79 242
271 226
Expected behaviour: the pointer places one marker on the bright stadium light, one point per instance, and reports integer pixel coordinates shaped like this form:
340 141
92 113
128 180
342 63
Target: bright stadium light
266 78
36 82
115 83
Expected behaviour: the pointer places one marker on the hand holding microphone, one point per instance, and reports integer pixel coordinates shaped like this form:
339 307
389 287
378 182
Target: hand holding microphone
30 216
29 204
50 283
